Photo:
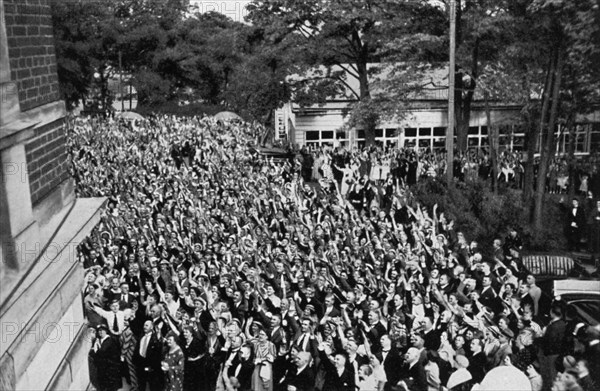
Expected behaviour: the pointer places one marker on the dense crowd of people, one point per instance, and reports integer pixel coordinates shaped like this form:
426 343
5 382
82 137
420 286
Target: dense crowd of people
410 165
214 267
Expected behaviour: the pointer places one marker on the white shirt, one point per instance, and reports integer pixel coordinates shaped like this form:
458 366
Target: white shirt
110 319
144 344
173 307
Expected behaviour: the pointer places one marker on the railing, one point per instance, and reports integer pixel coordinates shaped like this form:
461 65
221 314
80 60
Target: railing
548 265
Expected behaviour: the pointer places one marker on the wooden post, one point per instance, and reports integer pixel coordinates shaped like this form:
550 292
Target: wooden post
451 71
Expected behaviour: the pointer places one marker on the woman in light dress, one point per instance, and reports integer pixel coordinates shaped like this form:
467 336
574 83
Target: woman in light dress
347 178
327 178
376 166
316 175
262 377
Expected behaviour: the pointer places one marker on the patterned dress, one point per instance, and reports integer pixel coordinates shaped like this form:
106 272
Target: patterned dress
128 342
174 376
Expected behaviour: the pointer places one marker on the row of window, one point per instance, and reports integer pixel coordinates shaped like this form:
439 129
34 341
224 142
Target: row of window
511 137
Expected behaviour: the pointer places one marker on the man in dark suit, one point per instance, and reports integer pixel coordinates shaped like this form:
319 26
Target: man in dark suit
113 292
147 357
308 303
415 377
338 377
489 297
305 341
330 311
240 306
106 356
574 224
241 367
301 378
288 321
431 336
374 330
126 298
477 361
276 332
552 344
135 279
391 360
355 360
505 349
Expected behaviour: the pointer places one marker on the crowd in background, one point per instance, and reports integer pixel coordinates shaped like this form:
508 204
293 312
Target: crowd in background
214 267
411 164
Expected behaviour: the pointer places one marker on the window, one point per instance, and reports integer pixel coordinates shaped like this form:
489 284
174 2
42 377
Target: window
473 130
327 134
439 143
582 137
595 138
410 132
424 143
390 133
324 137
439 132
378 132
312 135
424 131
518 142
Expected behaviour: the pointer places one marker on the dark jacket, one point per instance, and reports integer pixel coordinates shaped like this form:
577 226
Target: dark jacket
303 381
335 382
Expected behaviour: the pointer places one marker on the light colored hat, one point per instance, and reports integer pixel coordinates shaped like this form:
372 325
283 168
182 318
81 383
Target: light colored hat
461 361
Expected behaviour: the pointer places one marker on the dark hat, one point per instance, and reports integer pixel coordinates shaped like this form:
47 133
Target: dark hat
569 362
508 333
495 331
259 325
573 371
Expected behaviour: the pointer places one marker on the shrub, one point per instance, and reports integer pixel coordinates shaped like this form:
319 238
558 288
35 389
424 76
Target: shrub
483 216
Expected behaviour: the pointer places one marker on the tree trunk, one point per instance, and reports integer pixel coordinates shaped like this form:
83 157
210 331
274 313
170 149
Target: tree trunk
533 136
369 122
463 120
493 140
465 92
547 152
571 157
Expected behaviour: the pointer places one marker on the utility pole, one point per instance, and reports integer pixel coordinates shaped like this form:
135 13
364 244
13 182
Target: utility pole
121 83
450 128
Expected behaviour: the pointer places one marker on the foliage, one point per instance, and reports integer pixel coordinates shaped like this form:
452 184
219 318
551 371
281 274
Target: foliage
338 39
151 87
483 216
83 33
173 108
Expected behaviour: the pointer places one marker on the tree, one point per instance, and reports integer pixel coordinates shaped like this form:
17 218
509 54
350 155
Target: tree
83 34
340 38
484 30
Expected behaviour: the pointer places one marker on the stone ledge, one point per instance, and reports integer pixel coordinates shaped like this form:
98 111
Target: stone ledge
56 277
25 120
19 293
